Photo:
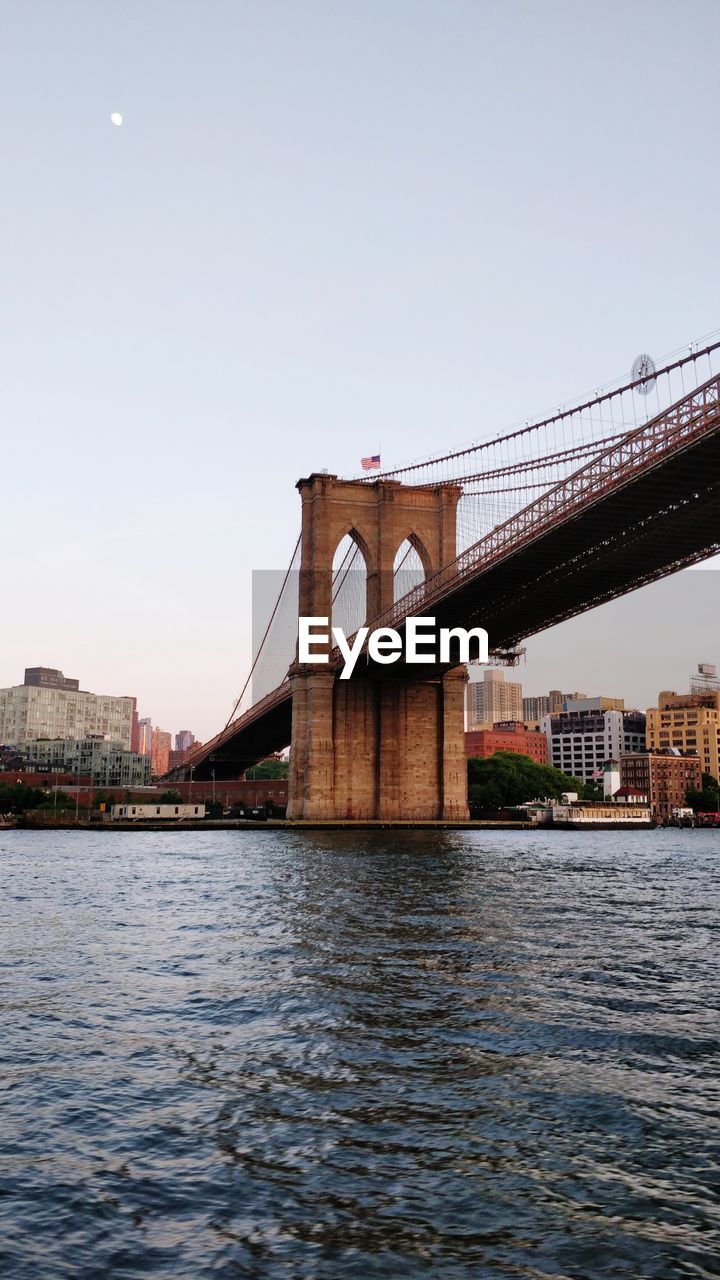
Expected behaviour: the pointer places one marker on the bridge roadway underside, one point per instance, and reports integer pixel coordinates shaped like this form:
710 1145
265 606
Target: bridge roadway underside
660 521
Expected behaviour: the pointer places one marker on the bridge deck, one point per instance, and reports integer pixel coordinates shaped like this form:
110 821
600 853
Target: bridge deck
642 509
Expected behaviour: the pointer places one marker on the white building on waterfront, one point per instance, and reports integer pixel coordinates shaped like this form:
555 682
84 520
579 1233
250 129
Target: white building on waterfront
34 710
589 732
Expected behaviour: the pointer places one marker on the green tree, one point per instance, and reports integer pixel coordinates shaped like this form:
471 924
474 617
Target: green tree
272 768
508 778
61 801
707 799
170 797
16 797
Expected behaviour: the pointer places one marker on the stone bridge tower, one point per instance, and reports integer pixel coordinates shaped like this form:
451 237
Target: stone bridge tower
375 747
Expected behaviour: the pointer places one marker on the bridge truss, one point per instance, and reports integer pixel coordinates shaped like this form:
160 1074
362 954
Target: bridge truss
552 498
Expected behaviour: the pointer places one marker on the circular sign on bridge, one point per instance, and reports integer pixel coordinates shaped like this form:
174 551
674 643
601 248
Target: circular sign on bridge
643 372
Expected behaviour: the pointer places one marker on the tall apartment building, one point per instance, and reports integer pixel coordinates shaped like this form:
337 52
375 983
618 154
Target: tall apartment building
535 708
589 732
135 732
144 736
664 777
688 722
548 704
160 753
492 699
48 705
184 739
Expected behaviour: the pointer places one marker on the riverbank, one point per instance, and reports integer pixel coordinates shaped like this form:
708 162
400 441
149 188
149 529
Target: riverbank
274 824
330 824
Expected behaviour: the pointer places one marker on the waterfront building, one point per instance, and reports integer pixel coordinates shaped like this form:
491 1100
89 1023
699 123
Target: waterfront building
611 779
491 698
150 812
689 722
663 776
629 795
509 736
48 705
106 762
608 816
160 752
589 732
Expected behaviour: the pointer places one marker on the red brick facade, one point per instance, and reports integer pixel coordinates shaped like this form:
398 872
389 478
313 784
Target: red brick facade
248 792
512 736
663 777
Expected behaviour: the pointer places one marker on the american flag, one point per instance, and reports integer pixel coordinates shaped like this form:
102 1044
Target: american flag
372 463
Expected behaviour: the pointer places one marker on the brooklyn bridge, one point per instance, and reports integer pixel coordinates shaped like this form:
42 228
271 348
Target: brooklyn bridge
515 534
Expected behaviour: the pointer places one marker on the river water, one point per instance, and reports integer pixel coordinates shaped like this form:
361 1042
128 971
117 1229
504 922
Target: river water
374 1054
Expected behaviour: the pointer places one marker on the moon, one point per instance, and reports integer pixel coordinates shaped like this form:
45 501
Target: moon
116 118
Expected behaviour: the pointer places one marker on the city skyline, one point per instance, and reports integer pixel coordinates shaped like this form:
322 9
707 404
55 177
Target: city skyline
52 708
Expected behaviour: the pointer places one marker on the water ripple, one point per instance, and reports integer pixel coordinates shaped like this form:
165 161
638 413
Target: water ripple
318 1056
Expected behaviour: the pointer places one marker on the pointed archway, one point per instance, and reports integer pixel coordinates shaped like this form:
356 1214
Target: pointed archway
410 567
349 584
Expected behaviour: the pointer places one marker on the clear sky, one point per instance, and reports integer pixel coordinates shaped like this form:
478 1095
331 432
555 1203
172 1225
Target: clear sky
323 228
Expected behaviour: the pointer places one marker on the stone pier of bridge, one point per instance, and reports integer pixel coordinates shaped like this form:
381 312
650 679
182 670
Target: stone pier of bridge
377 746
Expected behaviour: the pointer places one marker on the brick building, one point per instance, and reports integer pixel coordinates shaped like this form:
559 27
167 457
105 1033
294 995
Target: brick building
262 792
178 758
248 791
510 735
688 721
160 752
664 777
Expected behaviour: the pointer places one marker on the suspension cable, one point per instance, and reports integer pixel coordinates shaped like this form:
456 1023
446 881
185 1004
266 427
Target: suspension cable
231 717
500 439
